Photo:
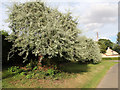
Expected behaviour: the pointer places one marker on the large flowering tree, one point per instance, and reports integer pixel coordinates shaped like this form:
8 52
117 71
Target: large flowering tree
44 32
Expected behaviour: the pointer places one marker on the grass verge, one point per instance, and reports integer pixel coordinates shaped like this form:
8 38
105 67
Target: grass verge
97 76
83 76
111 58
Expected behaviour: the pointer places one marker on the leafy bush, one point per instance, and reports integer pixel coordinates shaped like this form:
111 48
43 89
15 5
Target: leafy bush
35 68
50 72
32 64
23 73
87 50
14 69
93 51
29 76
40 75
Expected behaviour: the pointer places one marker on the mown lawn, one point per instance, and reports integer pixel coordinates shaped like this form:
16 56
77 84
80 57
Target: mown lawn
75 75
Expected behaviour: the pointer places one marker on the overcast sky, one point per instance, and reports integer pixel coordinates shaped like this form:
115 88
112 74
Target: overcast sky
93 15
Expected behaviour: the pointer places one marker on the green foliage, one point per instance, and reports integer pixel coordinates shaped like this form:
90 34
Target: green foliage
111 58
118 38
23 73
50 72
102 47
104 44
47 32
87 50
42 30
29 76
93 75
40 75
116 48
32 64
35 68
94 51
5 46
14 69
4 33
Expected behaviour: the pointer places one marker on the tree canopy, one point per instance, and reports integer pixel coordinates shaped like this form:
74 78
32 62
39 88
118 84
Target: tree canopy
104 44
45 32
117 45
118 38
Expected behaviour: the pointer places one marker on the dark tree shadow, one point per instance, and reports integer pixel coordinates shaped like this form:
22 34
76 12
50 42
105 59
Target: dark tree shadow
75 67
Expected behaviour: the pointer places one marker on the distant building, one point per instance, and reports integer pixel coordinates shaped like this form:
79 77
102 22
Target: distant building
110 52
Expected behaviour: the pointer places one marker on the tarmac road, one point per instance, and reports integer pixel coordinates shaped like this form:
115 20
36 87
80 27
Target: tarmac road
110 80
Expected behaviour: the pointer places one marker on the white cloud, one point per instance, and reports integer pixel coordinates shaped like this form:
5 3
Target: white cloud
93 26
104 38
101 13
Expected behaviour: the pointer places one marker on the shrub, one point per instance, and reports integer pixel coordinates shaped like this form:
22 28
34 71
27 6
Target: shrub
35 68
29 76
87 50
14 69
32 64
50 72
23 73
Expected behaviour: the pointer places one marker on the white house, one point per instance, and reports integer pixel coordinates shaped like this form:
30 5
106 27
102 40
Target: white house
110 53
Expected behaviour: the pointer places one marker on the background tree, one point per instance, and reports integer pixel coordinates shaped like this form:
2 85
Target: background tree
116 48
6 46
118 38
117 45
102 47
104 44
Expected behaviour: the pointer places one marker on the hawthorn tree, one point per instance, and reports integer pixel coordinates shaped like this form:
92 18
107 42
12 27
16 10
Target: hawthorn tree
42 31
104 44
46 33
87 50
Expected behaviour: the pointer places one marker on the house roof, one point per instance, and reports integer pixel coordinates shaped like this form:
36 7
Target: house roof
111 52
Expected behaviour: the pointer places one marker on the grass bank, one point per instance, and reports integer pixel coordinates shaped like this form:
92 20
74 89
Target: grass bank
97 73
111 58
83 76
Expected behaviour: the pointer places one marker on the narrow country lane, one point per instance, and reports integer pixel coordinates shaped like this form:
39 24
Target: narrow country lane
110 80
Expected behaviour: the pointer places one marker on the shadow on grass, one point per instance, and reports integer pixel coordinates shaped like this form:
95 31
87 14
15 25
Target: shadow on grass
75 67
8 75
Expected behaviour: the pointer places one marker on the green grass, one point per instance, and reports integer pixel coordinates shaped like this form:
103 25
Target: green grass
96 77
83 76
111 58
